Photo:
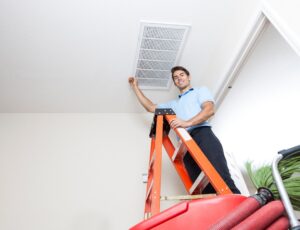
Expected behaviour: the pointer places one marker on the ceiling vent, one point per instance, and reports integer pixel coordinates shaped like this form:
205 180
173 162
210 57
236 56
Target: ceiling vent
159 49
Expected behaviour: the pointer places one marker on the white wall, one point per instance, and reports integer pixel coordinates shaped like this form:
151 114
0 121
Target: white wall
260 114
76 171
73 171
232 24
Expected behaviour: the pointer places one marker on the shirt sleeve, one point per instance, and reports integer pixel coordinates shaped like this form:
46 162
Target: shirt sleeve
205 95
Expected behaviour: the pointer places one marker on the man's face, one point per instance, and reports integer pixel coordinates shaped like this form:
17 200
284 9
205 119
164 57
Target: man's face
181 79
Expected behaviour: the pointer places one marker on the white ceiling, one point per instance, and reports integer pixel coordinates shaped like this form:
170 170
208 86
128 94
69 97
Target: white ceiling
76 56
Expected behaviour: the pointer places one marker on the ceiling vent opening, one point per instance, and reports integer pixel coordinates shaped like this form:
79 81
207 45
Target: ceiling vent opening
159 49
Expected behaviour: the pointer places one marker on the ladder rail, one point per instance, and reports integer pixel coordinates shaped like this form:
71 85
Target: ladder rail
152 204
147 210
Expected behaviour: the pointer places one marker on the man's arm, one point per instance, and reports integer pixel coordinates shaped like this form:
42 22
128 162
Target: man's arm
207 111
145 102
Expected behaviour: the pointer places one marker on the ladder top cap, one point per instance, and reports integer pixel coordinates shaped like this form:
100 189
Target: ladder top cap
166 111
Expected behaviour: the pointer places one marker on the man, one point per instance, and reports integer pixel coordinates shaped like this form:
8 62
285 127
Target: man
193 108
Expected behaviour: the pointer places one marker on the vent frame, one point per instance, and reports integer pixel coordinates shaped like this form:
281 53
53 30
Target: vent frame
158 35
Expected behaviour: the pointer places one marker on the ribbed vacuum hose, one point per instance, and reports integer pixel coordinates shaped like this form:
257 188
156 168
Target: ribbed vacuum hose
263 217
282 223
245 209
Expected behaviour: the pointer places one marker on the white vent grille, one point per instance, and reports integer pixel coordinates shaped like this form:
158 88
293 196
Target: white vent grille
159 49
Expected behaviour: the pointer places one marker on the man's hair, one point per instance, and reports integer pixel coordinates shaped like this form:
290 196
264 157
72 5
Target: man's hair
175 68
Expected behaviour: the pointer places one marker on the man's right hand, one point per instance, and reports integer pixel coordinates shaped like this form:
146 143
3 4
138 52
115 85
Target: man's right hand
145 102
132 81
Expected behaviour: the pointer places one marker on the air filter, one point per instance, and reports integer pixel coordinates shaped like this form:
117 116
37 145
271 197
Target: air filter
159 49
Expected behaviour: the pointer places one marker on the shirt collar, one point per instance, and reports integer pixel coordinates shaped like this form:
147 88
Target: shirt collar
186 92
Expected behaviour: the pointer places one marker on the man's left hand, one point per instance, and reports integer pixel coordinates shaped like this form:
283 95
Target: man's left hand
178 123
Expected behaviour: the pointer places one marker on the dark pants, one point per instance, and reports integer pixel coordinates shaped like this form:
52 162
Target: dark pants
212 148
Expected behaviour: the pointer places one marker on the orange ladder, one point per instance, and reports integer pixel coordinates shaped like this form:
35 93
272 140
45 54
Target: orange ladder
160 137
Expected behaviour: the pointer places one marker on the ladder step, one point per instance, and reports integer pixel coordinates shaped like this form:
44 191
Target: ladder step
147 215
149 189
187 197
200 183
152 160
179 151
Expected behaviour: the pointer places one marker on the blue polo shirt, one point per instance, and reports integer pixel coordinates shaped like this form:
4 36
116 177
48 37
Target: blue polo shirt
188 104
